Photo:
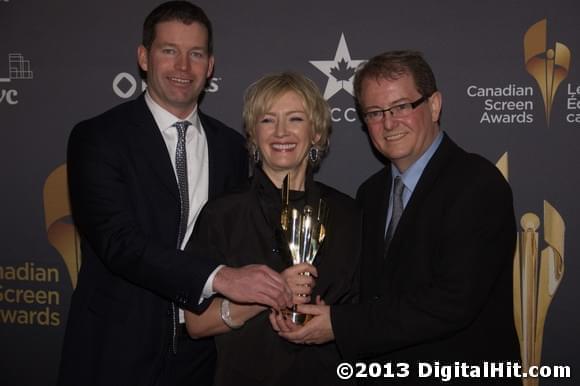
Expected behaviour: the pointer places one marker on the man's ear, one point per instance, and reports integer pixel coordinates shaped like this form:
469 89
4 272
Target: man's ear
210 66
142 58
435 102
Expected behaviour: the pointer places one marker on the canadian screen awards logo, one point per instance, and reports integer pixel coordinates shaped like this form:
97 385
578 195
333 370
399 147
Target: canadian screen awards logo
512 103
18 69
549 66
340 72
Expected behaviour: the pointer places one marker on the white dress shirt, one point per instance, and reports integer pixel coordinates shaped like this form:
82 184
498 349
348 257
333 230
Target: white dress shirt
197 166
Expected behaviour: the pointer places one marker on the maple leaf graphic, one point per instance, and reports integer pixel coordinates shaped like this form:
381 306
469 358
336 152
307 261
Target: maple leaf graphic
343 72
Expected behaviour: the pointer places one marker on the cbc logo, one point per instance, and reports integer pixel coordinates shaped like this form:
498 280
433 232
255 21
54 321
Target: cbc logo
337 114
125 85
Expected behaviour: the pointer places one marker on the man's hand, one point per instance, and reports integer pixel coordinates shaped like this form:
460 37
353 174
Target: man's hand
253 284
317 331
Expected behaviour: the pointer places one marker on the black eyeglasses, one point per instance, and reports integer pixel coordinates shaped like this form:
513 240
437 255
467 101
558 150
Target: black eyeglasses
398 111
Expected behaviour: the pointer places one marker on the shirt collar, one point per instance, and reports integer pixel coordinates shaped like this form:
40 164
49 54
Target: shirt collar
411 176
165 120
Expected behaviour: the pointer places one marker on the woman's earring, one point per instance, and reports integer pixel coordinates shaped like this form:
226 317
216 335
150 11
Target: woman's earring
314 155
256 154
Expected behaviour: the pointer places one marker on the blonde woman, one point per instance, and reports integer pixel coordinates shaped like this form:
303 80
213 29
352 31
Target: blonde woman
287 123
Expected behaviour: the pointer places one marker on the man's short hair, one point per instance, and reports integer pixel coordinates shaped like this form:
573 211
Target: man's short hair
182 11
394 64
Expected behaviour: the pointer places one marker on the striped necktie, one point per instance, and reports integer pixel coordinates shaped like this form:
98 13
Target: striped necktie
181 170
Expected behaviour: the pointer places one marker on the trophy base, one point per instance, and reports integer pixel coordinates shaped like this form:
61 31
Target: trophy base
297 317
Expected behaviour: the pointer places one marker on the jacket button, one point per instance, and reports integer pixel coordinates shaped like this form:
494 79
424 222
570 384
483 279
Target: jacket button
181 298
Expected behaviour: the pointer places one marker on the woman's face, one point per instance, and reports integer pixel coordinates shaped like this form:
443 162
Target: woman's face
284 135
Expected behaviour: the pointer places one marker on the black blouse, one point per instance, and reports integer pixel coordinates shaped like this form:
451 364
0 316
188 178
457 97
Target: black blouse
244 228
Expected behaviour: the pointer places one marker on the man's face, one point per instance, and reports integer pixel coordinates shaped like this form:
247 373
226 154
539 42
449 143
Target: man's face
403 139
177 65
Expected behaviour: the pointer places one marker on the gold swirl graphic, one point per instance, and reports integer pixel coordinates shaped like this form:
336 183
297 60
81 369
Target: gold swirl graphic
61 232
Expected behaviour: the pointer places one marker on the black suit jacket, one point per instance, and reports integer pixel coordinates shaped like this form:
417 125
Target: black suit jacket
444 291
125 204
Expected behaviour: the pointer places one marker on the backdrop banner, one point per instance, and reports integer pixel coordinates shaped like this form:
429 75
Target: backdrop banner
509 73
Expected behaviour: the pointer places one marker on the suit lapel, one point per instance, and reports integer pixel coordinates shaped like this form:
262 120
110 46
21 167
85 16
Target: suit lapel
380 219
216 170
377 205
149 141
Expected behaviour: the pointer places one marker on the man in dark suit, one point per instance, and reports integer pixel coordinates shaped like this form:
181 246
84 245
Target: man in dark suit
138 176
439 238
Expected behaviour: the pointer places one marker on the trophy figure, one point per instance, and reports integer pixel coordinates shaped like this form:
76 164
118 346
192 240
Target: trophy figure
304 231
537 276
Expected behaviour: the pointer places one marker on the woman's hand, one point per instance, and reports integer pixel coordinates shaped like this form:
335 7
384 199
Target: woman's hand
283 325
301 280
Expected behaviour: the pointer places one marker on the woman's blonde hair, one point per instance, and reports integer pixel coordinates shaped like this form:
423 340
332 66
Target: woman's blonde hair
260 96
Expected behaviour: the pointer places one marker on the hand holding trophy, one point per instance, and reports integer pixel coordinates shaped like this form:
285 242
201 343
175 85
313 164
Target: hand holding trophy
304 233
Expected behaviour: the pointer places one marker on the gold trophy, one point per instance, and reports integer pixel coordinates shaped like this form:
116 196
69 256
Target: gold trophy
304 232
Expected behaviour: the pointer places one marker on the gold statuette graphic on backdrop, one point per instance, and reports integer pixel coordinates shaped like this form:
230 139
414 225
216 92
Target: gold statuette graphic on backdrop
61 233
548 66
536 277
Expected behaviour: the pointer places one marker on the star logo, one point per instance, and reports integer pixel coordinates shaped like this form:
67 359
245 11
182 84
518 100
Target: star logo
340 71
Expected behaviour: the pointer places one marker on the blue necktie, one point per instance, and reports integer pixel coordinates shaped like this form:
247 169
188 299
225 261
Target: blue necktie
397 212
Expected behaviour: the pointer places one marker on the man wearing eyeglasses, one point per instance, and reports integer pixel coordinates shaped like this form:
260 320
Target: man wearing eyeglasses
439 238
